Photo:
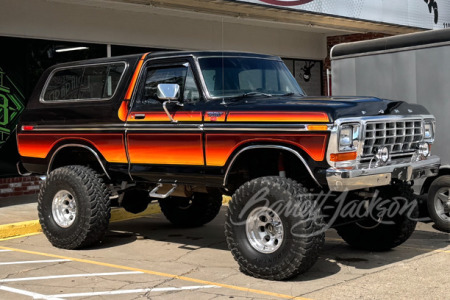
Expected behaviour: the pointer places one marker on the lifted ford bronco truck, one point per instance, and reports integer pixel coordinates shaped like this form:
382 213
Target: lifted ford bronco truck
184 128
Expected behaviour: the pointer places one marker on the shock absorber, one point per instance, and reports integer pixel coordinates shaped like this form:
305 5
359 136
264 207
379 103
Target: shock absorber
281 170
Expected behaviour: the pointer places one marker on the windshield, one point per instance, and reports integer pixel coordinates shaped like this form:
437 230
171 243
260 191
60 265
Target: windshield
240 76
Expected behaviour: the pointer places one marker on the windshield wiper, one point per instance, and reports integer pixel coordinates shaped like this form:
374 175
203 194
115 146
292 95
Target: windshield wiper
249 94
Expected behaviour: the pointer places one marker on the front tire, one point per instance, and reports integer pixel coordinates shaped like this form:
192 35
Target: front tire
273 228
386 233
439 203
74 207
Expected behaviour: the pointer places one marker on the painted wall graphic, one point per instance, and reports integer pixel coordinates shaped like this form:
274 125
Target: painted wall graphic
306 70
308 74
11 105
430 14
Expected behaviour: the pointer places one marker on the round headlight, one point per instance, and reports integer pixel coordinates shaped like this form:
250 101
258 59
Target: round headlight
382 154
424 149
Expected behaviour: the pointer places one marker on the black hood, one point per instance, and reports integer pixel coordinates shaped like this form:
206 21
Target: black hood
335 107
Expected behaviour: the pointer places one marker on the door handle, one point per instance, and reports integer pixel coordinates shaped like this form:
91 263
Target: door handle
139 116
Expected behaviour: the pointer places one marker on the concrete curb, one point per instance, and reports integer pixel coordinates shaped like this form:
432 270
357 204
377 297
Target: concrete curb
21 228
117 215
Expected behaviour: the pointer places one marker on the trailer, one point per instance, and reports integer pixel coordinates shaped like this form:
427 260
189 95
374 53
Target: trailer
414 68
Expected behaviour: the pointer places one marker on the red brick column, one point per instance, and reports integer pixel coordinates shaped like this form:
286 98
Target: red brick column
18 186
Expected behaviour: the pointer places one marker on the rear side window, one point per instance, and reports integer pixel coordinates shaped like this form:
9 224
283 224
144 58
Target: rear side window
93 82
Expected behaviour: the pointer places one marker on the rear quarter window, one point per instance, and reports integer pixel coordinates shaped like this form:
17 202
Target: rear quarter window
88 82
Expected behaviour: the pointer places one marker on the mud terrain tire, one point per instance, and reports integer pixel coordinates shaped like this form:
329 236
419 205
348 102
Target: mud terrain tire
269 254
74 207
383 236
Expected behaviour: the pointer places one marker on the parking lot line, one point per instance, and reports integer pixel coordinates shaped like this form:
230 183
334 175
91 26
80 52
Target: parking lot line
5 250
19 236
32 262
68 276
120 214
27 293
162 274
136 291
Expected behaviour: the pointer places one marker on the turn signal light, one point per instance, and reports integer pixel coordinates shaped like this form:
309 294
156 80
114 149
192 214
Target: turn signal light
343 156
317 127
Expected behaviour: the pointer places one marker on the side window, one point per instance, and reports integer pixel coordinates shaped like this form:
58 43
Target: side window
95 82
157 76
64 85
181 75
191 93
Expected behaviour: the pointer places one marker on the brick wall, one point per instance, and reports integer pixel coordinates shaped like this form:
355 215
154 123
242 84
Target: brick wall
339 39
18 186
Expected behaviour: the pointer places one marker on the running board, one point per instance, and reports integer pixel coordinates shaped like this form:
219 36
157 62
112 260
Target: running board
154 192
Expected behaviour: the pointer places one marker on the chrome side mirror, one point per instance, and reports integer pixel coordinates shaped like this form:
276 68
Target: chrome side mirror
168 91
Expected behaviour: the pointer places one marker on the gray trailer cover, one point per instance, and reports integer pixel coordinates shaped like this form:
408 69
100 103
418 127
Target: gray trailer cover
413 68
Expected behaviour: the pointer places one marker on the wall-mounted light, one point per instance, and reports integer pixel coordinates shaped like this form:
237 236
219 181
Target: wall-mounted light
71 49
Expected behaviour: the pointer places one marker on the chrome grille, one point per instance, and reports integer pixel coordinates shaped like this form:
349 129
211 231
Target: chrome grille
400 136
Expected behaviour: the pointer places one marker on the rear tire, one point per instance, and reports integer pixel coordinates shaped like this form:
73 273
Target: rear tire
439 203
191 212
74 207
374 235
268 233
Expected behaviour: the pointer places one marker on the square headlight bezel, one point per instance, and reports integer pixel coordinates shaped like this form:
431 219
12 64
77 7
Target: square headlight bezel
429 124
352 131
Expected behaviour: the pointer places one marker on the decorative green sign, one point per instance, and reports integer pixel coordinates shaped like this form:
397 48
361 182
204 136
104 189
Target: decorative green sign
11 105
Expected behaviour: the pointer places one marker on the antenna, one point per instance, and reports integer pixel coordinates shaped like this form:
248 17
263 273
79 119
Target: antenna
223 68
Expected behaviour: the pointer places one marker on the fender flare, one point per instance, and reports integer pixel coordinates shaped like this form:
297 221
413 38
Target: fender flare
52 158
278 147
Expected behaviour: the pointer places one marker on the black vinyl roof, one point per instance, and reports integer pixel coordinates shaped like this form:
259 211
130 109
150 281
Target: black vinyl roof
168 54
207 53
391 43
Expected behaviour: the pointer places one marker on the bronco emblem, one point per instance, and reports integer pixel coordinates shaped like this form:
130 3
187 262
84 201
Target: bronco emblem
215 115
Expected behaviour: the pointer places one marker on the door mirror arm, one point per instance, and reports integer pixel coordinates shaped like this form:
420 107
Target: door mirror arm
167 111
170 93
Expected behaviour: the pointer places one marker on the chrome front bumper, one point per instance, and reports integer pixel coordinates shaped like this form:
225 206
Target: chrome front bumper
340 180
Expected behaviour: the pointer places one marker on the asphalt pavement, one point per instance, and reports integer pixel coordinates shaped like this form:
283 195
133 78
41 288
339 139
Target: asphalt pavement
144 256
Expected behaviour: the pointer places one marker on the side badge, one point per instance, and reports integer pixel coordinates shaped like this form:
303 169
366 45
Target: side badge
215 116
